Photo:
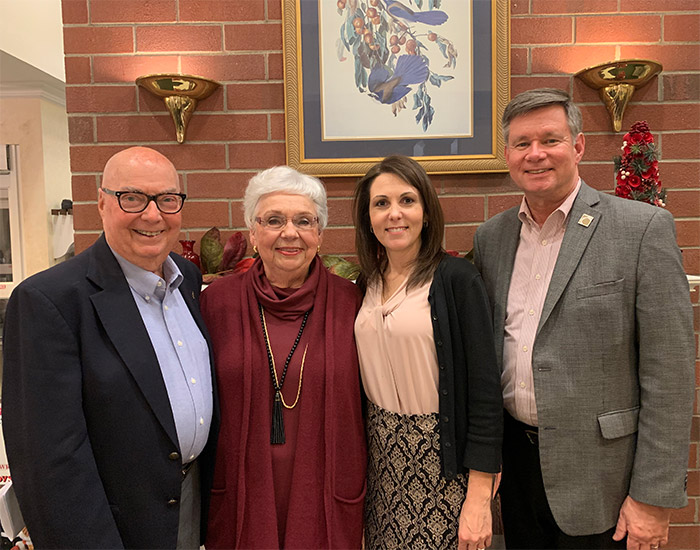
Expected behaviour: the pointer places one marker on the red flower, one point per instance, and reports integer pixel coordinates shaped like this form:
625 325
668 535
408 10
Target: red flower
634 181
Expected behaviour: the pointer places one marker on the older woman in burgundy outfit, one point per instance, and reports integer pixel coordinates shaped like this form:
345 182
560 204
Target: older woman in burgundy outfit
291 460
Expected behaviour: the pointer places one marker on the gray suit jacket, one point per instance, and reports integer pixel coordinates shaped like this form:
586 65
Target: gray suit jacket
613 358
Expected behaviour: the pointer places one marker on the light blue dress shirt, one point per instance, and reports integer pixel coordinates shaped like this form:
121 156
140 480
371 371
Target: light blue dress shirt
181 350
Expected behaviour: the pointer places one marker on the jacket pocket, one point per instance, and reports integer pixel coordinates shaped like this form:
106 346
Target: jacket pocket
600 289
616 424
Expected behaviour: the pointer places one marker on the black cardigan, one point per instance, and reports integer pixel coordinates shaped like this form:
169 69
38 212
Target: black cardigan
471 403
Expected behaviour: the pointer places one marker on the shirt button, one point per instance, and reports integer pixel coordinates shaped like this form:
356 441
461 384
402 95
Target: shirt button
444 392
201 421
165 307
160 283
191 457
531 312
193 380
538 277
439 342
544 242
179 343
448 444
174 456
445 418
147 298
522 384
524 348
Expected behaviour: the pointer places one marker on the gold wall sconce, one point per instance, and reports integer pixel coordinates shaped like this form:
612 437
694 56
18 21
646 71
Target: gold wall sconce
180 92
616 82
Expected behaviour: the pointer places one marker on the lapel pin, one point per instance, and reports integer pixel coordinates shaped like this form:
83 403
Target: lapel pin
193 294
585 220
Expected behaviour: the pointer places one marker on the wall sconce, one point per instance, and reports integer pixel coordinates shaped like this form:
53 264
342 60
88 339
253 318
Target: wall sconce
180 92
616 82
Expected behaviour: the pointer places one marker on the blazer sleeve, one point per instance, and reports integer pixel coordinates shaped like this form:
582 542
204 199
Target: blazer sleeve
666 360
51 461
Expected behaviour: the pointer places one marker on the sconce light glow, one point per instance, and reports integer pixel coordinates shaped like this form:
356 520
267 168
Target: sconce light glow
180 92
616 82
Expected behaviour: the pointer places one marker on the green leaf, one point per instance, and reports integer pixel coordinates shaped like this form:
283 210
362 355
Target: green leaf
211 251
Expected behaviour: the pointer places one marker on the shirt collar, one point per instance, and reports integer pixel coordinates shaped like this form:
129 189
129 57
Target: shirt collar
145 283
562 212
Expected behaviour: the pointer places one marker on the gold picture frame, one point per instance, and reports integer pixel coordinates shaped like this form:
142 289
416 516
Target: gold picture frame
311 152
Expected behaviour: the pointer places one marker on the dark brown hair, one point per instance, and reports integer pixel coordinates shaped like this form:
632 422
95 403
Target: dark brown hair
370 252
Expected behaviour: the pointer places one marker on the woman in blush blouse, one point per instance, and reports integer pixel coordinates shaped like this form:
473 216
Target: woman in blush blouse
428 366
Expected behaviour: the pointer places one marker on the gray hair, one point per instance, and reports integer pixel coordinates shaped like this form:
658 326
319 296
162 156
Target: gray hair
536 99
283 179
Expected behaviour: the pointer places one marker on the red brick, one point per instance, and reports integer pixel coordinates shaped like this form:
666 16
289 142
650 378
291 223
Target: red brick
100 99
624 28
693 449
92 40
688 232
519 7
339 187
691 260
132 11
683 204
573 6
681 87
518 62
128 68
274 10
225 127
222 10
677 57
519 84
685 515
91 158
86 217
460 238
223 185
500 203
275 66
84 240
541 30
682 28
74 12
205 214
653 5
602 147
600 176
569 59
477 184
135 128
597 119
678 175
680 146
340 211
77 70
178 38
694 479
253 36
226 67
84 188
338 240
81 129
255 96
462 209
195 156
277 130
256 155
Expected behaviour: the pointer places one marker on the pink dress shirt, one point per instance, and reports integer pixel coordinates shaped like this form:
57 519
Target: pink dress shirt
535 259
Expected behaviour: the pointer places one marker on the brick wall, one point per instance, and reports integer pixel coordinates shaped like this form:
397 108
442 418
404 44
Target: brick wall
240 128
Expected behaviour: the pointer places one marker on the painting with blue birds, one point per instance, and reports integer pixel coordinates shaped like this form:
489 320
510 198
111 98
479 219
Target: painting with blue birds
393 45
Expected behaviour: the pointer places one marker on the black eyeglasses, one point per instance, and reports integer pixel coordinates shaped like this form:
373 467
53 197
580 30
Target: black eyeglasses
134 202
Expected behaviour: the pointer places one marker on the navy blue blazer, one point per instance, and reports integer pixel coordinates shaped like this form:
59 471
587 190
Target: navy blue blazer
88 426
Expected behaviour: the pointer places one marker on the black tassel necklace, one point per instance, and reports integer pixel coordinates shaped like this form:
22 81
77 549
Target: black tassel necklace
277 436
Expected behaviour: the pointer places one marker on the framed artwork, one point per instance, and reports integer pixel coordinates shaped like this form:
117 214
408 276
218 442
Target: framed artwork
365 79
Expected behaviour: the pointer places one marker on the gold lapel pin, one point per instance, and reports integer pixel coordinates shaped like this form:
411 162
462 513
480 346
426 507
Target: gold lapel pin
585 220
193 294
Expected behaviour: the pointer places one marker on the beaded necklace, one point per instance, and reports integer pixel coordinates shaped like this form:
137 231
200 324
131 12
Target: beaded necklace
277 436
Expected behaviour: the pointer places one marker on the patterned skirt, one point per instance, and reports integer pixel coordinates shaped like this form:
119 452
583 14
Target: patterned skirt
409 504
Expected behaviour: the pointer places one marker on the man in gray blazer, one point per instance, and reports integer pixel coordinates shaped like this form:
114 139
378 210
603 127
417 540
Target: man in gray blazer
594 335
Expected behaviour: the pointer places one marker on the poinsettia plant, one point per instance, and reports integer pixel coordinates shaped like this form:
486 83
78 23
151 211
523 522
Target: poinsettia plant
637 169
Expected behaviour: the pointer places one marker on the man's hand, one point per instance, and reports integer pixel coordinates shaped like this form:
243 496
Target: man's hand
646 526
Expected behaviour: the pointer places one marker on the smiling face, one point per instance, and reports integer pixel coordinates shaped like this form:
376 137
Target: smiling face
286 253
146 238
543 157
396 214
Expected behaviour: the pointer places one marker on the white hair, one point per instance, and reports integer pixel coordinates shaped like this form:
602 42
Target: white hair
283 179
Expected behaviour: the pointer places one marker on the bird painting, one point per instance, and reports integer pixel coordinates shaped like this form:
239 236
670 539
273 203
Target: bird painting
407 16
389 88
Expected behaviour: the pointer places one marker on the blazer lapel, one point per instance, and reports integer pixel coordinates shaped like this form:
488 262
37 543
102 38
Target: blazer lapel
582 223
122 322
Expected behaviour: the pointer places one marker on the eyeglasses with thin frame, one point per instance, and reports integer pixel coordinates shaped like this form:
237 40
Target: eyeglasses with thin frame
133 202
277 222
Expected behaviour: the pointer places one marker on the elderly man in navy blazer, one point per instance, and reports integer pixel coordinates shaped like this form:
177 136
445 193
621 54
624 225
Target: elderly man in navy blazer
109 408
594 333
